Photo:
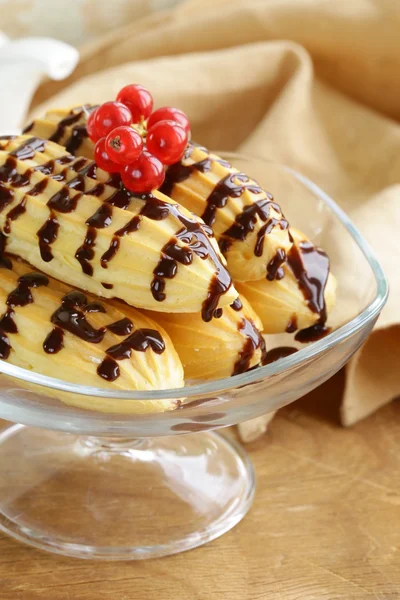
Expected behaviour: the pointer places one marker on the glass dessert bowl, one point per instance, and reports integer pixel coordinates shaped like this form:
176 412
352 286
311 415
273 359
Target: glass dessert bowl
128 486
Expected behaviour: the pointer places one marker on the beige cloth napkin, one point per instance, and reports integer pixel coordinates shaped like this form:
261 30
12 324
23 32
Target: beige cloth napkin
312 83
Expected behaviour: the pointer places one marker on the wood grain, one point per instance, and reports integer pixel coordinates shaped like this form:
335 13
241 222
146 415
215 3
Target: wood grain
324 525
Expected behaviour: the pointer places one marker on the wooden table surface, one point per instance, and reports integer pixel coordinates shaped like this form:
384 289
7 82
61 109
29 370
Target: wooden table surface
325 525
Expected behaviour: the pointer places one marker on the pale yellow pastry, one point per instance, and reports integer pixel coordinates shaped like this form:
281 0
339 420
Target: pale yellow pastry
58 213
248 224
300 297
228 345
51 329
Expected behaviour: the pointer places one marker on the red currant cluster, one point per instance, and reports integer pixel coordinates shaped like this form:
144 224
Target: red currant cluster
126 144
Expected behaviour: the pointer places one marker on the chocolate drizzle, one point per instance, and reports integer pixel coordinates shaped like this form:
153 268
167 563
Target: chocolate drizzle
246 221
85 253
5 347
47 234
197 242
29 148
178 172
69 120
122 327
79 131
310 266
278 353
70 317
191 239
5 263
140 340
274 267
13 215
254 341
231 186
292 325
20 296
54 342
237 304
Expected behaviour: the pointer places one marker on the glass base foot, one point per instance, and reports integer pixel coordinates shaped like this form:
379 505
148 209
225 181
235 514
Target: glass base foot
120 499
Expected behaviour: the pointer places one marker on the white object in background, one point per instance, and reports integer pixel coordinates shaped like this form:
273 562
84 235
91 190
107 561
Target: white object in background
23 64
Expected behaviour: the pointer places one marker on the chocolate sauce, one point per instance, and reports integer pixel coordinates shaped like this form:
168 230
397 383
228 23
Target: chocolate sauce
63 202
28 148
225 189
101 218
108 369
312 334
74 142
70 318
38 188
72 118
85 253
28 128
246 221
22 294
130 227
278 353
292 325
139 340
47 234
5 263
237 304
178 172
263 231
7 322
9 173
107 286
167 267
310 266
85 167
54 342
5 347
122 327
13 215
6 196
77 183
110 252
121 198
190 427
95 307
274 267
254 341
218 313
198 242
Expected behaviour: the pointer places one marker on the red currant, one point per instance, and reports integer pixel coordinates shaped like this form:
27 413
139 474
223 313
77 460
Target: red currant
138 100
143 175
90 126
109 116
124 145
167 141
167 113
103 160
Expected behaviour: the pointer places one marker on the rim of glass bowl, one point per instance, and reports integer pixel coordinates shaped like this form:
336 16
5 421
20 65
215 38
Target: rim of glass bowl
218 385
